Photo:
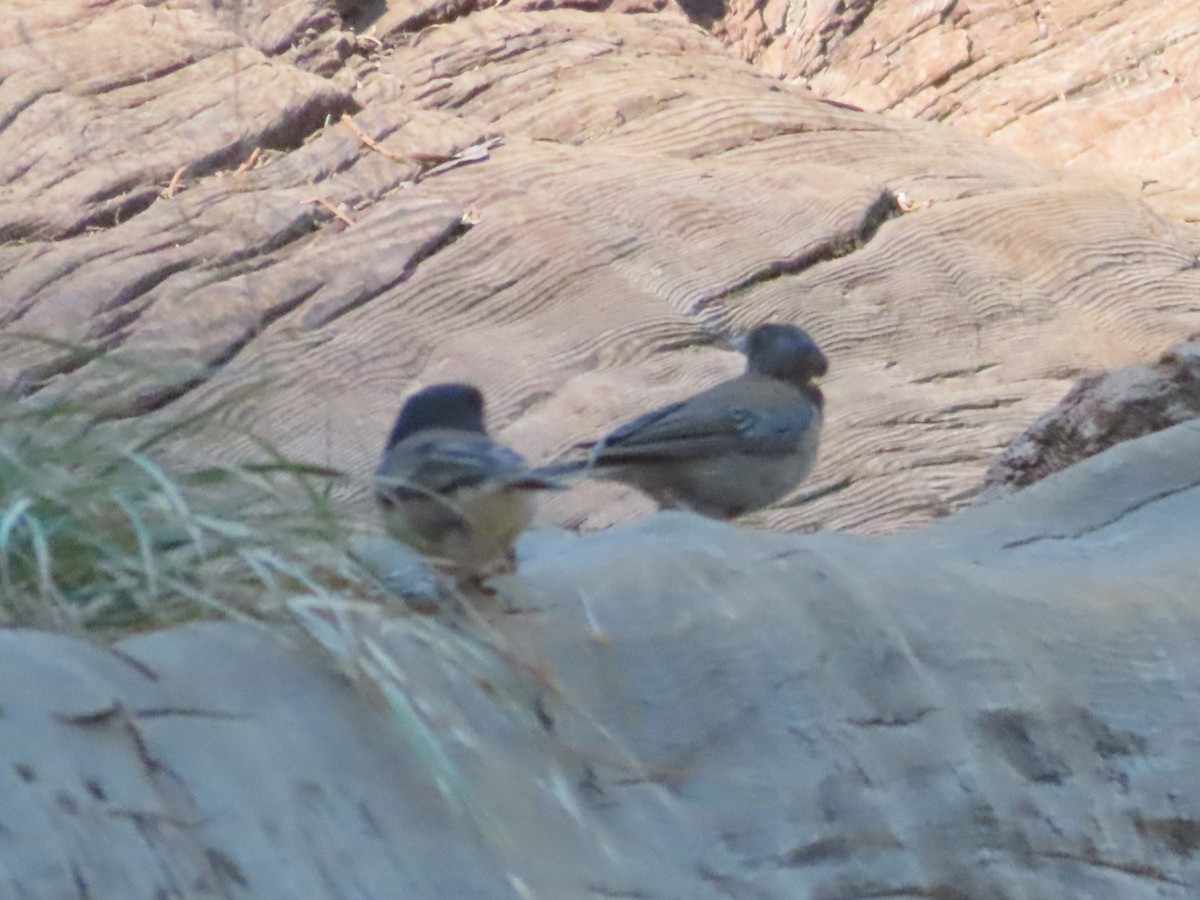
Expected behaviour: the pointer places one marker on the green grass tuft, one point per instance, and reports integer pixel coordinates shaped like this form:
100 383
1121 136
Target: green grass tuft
105 533
98 534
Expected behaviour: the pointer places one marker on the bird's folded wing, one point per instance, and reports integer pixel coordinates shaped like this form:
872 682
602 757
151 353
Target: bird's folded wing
444 465
687 430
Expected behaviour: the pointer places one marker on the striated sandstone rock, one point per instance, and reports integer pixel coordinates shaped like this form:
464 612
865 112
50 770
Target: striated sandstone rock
1104 87
574 207
106 103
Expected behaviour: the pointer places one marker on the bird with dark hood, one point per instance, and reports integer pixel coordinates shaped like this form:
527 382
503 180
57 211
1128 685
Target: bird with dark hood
737 447
447 489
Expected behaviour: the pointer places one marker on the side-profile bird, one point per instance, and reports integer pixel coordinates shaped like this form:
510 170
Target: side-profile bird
450 491
734 448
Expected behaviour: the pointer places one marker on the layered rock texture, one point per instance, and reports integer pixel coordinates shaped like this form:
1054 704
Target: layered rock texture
1101 87
292 213
574 207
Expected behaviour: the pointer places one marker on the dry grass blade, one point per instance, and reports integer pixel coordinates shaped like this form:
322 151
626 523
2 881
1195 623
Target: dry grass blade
102 534
110 539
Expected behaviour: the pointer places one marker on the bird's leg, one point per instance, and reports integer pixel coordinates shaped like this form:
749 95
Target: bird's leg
474 585
509 566
669 499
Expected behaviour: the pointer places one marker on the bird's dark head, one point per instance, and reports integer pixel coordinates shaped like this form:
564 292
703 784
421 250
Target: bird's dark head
439 406
785 352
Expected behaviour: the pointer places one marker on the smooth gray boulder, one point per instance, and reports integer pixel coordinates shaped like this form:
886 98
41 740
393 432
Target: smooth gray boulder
1001 705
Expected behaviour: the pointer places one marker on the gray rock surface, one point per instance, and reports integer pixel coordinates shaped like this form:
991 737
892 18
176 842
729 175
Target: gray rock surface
1002 704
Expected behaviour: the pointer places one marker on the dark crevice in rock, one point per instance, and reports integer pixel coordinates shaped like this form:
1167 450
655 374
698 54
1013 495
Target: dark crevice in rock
112 215
82 891
34 378
437 243
98 716
599 890
159 396
1100 526
134 663
844 19
499 287
7 117
534 400
111 327
129 197
839 847
1108 742
705 13
440 12
190 713
947 459
899 721
696 341
145 283
1009 731
1137 870
875 891
938 82
954 373
142 76
225 868
110 336
994 403
882 209
810 496
1180 835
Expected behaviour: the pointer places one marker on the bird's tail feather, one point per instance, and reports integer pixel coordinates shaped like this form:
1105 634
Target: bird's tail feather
558 470
537 480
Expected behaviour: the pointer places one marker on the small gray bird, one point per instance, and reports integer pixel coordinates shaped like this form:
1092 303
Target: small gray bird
447 489
736 447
